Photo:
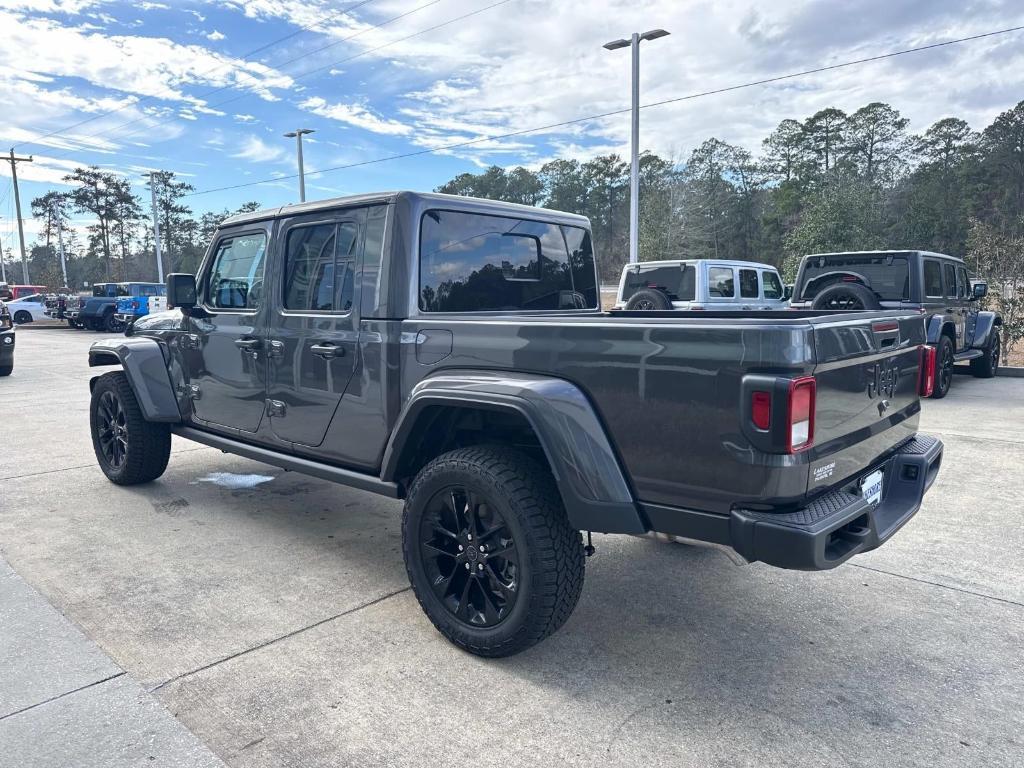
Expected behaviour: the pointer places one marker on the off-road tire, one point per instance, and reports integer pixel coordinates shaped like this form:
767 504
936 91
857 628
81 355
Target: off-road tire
550 551
943 382
986 366
111 324
148 443
849 296
647 299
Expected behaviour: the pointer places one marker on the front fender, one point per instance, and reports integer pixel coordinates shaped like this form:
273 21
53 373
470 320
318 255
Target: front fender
984 325
143 362
590 479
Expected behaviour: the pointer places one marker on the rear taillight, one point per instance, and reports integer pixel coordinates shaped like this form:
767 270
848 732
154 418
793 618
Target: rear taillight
135 305
761 409
927 380
801 414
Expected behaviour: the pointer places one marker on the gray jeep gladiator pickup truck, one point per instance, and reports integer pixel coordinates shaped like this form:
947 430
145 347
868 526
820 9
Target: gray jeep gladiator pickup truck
452 352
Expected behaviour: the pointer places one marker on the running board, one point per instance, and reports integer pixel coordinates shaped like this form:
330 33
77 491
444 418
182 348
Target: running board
291 463
968 354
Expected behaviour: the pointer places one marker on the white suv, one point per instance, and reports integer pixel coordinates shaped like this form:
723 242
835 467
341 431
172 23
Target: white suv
696 284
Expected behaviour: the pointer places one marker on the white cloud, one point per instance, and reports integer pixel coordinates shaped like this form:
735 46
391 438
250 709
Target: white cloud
255 150
356 115
216 36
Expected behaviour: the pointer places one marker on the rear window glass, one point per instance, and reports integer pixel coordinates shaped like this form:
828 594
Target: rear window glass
678 281
473 262
932 279
887 275
720 282
749 289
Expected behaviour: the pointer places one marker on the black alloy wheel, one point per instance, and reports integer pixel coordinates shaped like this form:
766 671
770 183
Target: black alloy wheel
112 430
944 360
469 556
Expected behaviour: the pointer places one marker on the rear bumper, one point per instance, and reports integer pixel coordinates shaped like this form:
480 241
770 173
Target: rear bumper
840 524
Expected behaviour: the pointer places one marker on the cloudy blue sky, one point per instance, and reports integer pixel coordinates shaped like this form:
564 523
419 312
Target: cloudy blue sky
206 87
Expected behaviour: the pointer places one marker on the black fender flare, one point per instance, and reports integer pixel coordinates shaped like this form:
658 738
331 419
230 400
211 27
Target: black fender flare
935 325
984 325
143 362
586 468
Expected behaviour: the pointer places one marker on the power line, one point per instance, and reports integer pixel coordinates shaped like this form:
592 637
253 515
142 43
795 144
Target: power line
564 123
145 118
244 58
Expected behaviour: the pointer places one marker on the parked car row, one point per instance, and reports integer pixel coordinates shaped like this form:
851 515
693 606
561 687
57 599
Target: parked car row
113 306
933 284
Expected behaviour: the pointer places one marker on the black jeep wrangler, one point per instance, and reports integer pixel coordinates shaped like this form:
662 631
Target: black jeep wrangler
933 283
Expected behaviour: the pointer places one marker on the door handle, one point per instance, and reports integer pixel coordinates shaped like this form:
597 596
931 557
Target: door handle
246 343
327 351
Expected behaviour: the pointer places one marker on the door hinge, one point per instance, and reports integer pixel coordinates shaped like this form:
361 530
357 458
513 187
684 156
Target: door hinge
191 341
275 348
275 408
193 392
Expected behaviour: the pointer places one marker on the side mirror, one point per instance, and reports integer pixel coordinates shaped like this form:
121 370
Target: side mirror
181 291
979 289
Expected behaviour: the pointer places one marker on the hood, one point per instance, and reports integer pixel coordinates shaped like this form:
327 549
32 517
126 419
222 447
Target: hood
168 320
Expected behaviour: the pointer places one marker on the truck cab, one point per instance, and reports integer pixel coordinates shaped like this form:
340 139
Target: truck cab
700 284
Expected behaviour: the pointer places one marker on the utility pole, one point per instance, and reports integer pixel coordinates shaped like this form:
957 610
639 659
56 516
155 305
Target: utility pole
297 135
60 248
17 205
634 166
156 228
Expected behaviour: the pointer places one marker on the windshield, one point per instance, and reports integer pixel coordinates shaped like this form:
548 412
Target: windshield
885 274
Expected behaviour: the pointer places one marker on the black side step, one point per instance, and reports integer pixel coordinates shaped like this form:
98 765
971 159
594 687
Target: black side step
968 354
291 463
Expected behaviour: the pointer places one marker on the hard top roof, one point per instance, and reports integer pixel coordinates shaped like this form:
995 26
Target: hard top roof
424 199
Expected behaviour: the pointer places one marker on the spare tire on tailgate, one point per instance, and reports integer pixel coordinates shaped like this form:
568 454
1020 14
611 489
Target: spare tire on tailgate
648 299
846 296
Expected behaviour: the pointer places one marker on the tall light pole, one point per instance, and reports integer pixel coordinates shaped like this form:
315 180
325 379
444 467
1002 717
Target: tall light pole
634 167
297 135
156 227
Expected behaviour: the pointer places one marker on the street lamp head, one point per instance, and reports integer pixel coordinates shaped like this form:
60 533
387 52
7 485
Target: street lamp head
616 44
300 132
653 34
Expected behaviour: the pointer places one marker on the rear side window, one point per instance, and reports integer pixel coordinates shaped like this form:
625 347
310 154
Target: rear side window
949 273
749 289
319 262
475 262
772 285
236 277
720 282
932 279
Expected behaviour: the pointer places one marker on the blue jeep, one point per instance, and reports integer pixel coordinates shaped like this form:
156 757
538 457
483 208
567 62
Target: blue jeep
131 308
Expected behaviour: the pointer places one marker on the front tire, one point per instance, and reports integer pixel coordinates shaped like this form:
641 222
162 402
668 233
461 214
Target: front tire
21 317
490 553
6 369
986 366
943 367
129 449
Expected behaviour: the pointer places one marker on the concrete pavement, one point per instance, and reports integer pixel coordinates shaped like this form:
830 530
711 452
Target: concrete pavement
270 614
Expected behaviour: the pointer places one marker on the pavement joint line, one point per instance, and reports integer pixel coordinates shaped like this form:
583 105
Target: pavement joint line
977 438
93 464
62 695
275 640
939 584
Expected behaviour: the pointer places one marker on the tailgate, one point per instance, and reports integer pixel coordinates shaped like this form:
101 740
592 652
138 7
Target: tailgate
867 371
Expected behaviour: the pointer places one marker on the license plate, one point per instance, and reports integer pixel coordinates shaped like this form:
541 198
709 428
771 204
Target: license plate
871 487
